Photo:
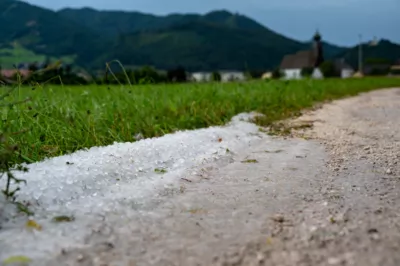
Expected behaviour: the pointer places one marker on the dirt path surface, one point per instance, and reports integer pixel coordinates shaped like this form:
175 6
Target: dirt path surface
331 198
353 217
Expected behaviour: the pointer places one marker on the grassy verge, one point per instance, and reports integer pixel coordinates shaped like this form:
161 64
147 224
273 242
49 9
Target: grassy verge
60 119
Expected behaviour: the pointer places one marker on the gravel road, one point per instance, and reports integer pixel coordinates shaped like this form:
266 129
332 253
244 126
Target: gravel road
327 195
353 215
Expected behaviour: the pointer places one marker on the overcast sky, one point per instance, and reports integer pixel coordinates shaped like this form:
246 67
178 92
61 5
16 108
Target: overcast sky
339 21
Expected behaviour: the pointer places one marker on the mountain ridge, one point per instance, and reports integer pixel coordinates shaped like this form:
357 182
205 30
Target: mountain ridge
134 24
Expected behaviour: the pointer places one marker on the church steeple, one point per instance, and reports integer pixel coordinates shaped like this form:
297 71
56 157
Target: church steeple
317 36
317 49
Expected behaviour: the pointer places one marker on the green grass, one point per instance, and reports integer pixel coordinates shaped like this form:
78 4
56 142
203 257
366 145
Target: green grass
59 120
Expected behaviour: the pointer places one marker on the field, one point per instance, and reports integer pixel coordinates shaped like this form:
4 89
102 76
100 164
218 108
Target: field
61 119
9 57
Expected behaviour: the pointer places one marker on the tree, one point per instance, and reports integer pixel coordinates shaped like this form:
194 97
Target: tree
33 67
376 71
277 73
377 60
68 69
256 74
216 76
148 74
177 75
307 71
328 69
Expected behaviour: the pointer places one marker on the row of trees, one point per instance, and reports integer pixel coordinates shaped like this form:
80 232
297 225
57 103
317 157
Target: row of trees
63 74
54 74
148 75
58 74
144 75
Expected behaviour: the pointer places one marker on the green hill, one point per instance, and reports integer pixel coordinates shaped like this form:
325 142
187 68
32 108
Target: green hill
203 46
384 50
218 39
11 55
89 38
45 32
114 23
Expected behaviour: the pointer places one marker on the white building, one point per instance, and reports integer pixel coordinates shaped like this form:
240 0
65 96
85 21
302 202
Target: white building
227 76
292 65
201 76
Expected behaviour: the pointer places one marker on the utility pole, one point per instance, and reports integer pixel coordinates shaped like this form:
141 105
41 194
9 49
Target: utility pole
360 61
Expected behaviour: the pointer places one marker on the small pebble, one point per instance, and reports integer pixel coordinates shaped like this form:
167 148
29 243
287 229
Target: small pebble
278 218
80 257
372 231
389 171
260 258
334 261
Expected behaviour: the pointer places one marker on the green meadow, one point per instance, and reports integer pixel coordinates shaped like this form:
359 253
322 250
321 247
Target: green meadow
17 53
57 120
